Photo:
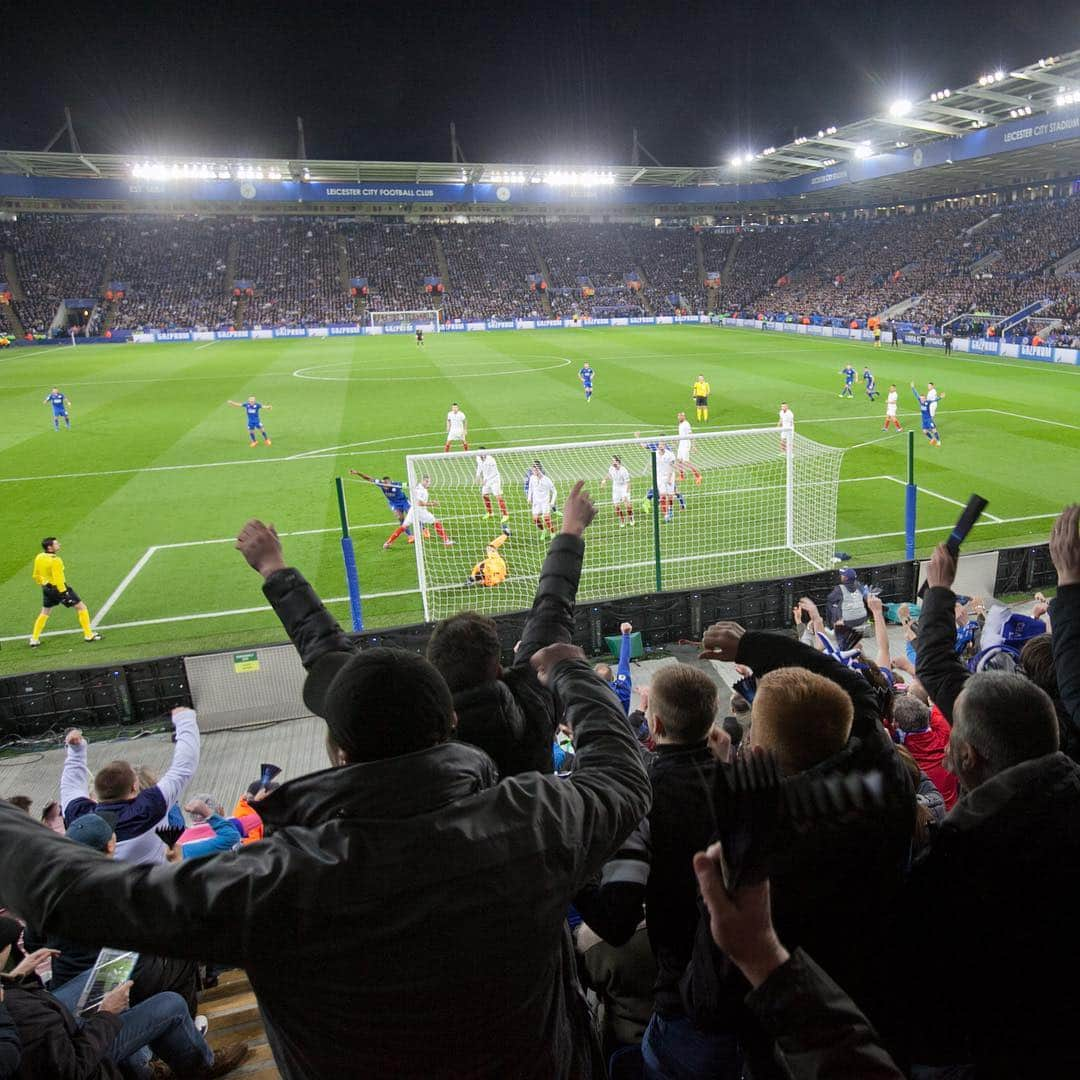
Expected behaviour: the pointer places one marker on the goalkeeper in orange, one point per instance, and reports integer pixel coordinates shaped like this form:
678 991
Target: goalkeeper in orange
491 569
49 574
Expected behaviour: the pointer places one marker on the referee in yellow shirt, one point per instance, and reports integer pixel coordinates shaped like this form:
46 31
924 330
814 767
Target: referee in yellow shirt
700 393
49 574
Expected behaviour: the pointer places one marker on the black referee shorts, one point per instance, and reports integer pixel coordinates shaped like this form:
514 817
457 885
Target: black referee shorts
701 401
51 596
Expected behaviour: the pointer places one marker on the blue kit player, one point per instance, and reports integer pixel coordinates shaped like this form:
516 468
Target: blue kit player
394 490
929 427
868 382
849 382
586 377
252 407
59 403
621 682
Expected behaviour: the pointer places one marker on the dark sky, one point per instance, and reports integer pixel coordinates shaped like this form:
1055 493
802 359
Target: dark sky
551 83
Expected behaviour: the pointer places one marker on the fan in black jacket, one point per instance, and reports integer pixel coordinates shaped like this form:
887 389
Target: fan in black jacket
406 914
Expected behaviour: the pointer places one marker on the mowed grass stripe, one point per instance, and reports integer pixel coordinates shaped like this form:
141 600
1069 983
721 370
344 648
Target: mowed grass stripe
643 380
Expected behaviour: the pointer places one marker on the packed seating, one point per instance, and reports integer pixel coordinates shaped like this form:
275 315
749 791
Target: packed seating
668 259
294 269
173 272
941 264
58 257
490 266
395 259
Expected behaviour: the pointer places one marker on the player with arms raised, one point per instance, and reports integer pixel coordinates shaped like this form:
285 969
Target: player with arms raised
786 424
254 423
457 428
929 426
586 376
542 497
490 480
420 514
59 403
393 490
686 444
700 393
619 476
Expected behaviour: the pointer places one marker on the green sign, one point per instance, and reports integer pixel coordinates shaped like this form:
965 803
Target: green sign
245 661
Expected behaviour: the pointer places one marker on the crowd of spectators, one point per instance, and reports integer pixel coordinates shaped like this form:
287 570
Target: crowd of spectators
492 267
294 267
176 270
58 257
173 271
395 259
436 902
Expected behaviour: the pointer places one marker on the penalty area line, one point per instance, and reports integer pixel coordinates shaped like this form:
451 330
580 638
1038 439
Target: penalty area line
119 590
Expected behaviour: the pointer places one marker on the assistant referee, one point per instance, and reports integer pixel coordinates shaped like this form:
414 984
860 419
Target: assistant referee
700 393
49 574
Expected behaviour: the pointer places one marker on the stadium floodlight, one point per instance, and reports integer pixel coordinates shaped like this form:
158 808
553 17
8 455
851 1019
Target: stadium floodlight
864 150
900 107
568 178
830 131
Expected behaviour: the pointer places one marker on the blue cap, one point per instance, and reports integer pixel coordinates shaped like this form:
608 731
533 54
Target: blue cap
92 830
847 574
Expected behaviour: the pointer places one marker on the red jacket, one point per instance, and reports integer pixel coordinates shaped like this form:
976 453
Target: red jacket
928 749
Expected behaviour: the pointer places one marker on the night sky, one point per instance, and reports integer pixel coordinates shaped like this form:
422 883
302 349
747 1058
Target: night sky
549 83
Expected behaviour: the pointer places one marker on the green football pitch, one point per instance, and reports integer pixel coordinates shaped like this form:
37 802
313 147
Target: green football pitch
155 478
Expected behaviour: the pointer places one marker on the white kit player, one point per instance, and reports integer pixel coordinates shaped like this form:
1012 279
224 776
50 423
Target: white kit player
891 404
457 428
490 481
541 499
686 444
786 424
420 514
620 491
932 399
665 479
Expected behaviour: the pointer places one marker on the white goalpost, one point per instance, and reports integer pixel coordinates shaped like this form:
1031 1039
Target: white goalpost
761 510
406 321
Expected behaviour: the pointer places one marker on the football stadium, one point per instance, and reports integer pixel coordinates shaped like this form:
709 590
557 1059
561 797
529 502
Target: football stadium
631 507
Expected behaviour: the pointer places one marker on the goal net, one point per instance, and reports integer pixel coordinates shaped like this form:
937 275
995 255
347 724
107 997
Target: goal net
406 321
760 510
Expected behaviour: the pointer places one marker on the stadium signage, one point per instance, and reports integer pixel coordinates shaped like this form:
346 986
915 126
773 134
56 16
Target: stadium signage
337 331
980 345
476 326
1037 352
291 331
260 333
174 335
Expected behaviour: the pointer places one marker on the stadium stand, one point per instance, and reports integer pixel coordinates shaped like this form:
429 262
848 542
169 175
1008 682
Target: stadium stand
489 271
395 259
176 270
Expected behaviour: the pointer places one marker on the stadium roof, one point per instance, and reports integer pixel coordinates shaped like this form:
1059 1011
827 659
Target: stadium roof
995 98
